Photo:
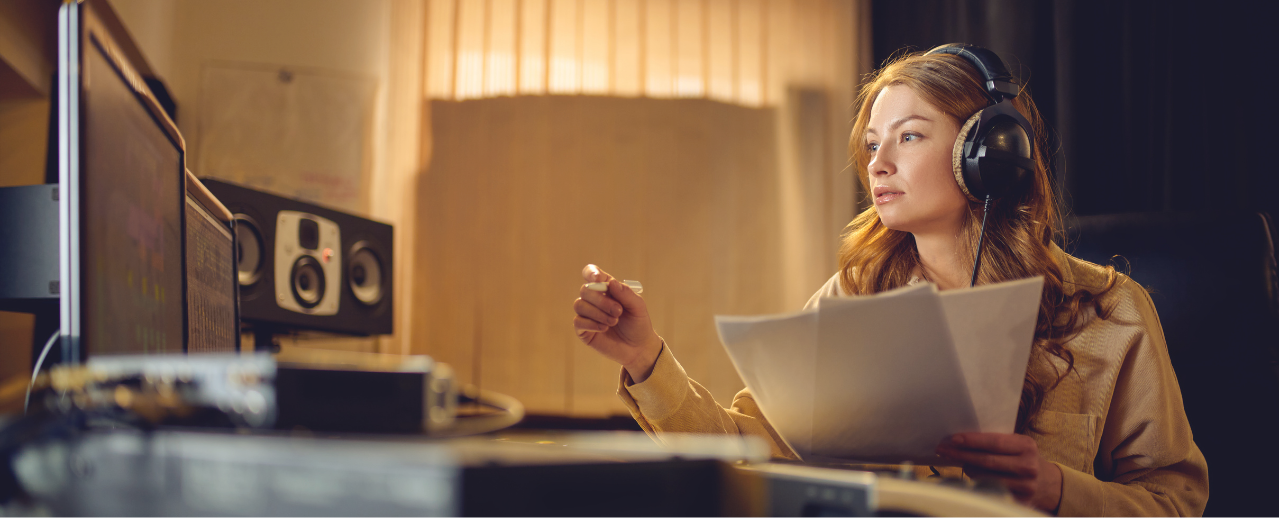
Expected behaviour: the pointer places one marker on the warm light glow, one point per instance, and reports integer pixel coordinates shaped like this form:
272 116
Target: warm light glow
738 51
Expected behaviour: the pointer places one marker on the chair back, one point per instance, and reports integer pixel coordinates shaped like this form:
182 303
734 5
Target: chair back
1213 280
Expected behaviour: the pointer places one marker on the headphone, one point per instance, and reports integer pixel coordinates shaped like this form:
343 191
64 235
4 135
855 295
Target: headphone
992 155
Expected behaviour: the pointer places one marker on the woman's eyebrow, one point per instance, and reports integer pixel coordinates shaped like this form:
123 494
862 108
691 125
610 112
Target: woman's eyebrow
894 124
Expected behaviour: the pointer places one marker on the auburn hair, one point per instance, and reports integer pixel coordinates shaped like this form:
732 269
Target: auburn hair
1020 229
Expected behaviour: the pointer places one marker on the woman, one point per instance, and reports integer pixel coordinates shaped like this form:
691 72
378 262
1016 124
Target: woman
1100 429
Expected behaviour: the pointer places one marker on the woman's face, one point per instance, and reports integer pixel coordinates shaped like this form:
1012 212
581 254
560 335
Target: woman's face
909 143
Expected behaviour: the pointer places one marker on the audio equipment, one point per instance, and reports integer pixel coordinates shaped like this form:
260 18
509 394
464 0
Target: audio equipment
303 266
144 260
806 490
992 154
29 253
213 320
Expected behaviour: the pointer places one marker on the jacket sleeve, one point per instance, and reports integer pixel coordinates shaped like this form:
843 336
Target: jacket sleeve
668 401
1147 461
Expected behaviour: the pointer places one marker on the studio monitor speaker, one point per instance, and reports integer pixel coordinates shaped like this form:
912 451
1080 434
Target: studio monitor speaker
302 266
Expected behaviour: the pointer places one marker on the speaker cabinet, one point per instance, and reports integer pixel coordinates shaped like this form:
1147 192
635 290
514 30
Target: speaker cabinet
303 266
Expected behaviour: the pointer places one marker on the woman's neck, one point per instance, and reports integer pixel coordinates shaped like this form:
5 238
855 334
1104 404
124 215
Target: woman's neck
941 261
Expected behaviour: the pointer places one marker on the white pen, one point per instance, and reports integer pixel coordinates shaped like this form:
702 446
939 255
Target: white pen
603 286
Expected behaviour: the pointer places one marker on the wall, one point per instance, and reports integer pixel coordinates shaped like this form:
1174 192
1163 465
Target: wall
523 192
180 38
727 201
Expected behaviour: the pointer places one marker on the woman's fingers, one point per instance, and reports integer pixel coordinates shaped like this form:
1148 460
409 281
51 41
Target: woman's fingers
1008 465
583 325
592 273
1009 454
1005 443
593 312
600 300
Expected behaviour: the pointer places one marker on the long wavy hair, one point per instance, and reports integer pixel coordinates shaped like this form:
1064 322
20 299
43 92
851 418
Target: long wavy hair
1020 230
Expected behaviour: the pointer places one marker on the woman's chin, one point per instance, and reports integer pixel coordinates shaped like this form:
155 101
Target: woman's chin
894 222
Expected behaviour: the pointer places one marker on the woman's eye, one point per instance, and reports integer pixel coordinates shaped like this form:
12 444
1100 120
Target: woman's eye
910 136
872 147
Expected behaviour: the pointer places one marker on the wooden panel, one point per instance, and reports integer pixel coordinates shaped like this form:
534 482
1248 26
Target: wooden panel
24 135
679 194
28 31
15 356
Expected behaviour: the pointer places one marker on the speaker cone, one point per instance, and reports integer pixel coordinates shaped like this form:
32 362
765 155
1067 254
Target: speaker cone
248 255
307 279
364 274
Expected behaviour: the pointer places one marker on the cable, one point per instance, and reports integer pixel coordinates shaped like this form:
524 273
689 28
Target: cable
35 372
512 412
981 239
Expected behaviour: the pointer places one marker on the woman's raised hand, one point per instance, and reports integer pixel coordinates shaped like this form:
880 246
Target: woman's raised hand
616 323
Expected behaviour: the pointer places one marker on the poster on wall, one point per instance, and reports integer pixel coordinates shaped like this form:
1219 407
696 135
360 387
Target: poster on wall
305 133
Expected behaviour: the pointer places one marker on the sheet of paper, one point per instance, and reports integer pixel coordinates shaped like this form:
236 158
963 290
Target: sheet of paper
888 382
776 357
992 328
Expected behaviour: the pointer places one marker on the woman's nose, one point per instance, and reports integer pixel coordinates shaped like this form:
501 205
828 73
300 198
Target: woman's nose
881 164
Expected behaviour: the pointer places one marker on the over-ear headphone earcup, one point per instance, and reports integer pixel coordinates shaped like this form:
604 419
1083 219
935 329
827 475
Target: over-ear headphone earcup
992 153
957 155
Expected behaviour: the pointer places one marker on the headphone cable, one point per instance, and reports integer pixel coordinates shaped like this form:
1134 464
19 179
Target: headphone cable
981 239
26 402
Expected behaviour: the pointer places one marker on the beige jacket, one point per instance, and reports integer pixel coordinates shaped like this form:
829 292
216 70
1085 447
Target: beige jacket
1115 426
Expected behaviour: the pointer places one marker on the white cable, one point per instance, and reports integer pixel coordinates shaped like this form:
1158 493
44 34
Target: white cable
36 371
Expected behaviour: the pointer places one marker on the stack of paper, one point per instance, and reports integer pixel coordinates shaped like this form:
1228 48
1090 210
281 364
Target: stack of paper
884 378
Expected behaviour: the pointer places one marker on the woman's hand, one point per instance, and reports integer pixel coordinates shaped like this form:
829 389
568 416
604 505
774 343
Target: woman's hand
616 323
1012 459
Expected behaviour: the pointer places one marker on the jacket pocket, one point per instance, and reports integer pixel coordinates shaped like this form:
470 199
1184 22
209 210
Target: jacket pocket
1069 439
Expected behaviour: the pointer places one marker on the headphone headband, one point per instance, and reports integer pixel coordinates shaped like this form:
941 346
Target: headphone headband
993 152
1000 84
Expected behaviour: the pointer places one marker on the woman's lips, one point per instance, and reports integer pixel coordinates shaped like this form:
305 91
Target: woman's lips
886 197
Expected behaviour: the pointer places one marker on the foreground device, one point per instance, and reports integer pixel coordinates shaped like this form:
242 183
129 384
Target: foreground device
302 266
172 473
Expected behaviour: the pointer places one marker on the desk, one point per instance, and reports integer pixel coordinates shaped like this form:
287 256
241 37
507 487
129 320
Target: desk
185 472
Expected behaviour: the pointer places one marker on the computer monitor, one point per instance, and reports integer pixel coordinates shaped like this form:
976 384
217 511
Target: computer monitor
124 207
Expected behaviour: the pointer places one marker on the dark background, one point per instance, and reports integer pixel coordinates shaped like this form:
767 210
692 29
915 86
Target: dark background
1165 108
1152 106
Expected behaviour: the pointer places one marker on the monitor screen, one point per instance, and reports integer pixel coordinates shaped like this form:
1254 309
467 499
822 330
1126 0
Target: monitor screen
125 199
